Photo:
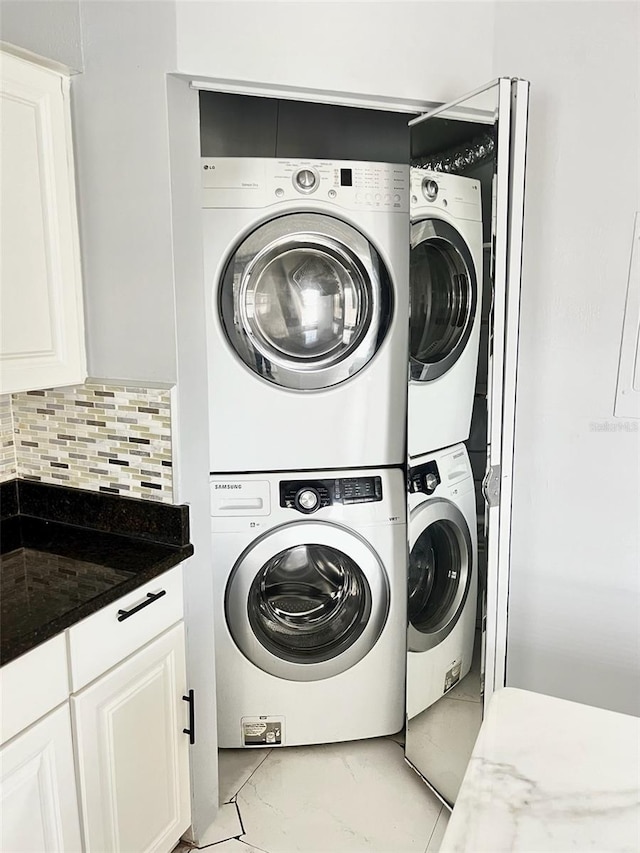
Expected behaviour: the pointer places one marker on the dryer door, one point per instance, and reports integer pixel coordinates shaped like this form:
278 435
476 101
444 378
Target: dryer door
305 301
444 295
440 564
307 600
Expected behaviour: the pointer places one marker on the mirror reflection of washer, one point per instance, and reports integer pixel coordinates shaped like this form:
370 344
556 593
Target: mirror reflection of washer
306 281
442 583
310 605
446 303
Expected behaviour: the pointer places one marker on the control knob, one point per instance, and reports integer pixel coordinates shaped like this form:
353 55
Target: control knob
430 482
305 180
430 189
307 500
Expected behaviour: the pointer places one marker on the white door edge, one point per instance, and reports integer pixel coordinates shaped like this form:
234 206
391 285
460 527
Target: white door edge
520 106
317 96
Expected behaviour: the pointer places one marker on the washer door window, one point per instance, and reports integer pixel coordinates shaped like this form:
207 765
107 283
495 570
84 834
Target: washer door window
444 293
440 565
305 301
307 600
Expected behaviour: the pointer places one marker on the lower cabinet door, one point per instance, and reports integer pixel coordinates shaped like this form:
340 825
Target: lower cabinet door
132 754
39 804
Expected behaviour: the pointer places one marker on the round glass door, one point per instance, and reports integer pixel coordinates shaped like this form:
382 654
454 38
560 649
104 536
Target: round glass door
439 577
307 601
305 301
443 295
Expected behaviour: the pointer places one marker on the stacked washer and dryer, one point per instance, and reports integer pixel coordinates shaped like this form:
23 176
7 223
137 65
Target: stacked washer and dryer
445 318
307 275
313 302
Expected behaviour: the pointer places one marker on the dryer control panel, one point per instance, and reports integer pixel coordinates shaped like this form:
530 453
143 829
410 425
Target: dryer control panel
307 496
238 182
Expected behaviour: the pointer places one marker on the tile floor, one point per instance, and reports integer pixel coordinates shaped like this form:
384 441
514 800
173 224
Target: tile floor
355 797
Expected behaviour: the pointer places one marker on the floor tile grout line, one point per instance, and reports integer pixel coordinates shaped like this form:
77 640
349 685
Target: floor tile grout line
434 829
235 799
466 699
244 832
234 796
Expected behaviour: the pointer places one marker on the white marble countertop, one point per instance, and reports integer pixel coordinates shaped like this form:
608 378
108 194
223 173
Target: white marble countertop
549 776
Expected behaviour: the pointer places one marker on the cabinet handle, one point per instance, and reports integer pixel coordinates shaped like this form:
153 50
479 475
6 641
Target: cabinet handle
151 597
191 731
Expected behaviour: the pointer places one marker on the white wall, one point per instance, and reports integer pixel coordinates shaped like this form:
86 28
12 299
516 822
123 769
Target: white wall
394 49
122 159
574 625
50 28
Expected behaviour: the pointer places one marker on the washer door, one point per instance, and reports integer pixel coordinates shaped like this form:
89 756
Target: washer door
307 600
444 294
305 301
440 565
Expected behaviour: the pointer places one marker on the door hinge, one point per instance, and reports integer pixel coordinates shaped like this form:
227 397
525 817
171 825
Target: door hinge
491 486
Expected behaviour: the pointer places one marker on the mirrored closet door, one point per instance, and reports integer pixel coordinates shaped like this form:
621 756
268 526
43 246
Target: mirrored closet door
466 247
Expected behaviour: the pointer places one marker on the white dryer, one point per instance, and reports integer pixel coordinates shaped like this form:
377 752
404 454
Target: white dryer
307 271
446 303
310 606
442 575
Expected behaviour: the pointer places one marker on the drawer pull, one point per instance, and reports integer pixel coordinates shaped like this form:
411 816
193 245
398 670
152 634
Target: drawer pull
191 731
151 597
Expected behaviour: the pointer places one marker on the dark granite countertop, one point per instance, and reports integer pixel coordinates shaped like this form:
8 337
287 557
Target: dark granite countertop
66 553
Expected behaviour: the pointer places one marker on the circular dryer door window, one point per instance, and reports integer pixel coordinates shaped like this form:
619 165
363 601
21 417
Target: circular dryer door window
305 301
443 293
307 601
440 564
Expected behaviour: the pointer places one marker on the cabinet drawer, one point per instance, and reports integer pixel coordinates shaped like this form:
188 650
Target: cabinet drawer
32 685
101 640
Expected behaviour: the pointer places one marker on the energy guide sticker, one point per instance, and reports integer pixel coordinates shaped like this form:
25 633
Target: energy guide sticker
262 731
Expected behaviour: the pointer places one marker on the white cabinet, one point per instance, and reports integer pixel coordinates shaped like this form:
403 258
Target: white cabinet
105 638
42 327
38 803
32 685
132 752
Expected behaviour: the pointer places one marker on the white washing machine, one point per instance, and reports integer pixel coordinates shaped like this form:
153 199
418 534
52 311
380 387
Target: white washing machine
442 580
307 284
310 606
446 303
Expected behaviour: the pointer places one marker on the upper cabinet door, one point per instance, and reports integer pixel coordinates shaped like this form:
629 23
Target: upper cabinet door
42 325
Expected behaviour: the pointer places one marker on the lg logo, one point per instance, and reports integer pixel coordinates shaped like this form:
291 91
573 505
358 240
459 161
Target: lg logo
207 166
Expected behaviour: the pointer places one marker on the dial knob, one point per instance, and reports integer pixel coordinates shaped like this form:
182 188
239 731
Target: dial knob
306 180
430 189
307 500
430 481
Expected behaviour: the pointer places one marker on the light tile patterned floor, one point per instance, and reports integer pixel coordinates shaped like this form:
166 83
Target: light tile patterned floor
356 797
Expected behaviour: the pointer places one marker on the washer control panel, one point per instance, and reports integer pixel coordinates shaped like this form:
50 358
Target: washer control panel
424 478
307 496
238 182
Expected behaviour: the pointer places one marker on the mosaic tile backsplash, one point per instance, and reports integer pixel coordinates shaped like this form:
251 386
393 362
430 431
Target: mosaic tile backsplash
102 437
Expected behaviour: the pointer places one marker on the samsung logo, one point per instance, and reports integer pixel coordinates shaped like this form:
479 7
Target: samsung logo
228 485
